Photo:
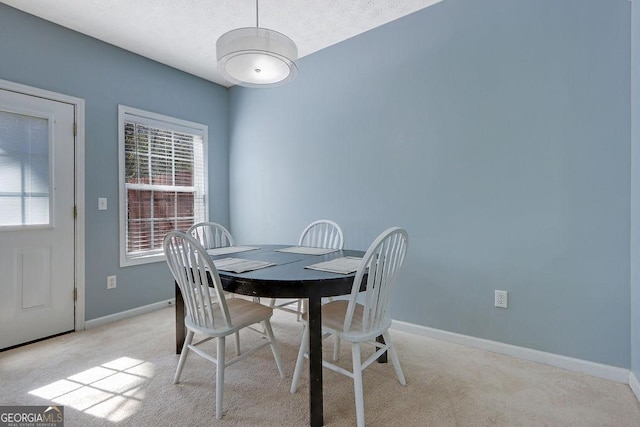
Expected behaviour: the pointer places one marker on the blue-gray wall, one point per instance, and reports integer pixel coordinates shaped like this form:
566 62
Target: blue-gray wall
635 190
37 53
497 132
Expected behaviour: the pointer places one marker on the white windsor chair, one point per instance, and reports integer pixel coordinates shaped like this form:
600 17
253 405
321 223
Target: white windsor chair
364 316
215 318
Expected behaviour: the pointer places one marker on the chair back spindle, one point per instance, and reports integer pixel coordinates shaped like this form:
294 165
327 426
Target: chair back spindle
192 267
211 235
380 264
323 233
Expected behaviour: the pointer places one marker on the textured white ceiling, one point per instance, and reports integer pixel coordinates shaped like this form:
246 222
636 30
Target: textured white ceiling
183 33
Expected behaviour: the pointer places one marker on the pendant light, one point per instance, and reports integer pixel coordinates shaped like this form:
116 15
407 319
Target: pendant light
256 57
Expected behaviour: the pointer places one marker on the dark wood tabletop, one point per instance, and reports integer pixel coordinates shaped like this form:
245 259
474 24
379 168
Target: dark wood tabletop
287 279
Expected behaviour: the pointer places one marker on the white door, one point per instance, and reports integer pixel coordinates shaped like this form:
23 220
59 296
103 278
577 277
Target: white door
36 218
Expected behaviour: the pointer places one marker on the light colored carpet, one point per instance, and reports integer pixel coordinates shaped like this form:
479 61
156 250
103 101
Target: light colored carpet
122 373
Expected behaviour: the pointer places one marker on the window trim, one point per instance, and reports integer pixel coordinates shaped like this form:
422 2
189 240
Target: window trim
153 120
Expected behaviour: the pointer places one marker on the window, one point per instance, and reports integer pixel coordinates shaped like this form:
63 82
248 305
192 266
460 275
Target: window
163 176
24 170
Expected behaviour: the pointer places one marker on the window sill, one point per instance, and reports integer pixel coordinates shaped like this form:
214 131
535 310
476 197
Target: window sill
140 260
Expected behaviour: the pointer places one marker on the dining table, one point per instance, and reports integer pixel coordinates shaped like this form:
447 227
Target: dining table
287 276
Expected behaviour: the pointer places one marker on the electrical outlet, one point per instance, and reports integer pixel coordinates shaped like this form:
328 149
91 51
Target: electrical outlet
501 299
111 282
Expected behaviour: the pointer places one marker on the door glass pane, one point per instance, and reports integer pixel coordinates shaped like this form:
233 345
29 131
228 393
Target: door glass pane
24 170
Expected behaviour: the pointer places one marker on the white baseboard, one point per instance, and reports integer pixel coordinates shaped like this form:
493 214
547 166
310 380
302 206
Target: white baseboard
94 323
613 373
634 384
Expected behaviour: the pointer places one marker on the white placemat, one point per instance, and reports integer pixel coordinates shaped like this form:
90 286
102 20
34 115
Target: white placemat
239 265
343 265
307 250
230 250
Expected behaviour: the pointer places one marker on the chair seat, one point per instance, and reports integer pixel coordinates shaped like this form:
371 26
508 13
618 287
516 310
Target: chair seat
243 313
333 314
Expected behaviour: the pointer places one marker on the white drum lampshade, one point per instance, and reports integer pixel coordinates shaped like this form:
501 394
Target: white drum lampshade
256 57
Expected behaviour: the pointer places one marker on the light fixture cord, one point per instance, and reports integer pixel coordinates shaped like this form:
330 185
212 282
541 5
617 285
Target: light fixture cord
257 26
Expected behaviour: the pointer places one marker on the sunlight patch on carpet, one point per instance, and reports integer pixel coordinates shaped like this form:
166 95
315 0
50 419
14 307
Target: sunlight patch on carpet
112 391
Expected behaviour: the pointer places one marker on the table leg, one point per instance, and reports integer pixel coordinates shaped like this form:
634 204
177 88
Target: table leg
383 356
180 329
315 362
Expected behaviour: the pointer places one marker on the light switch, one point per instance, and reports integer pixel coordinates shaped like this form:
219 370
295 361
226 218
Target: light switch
102 203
